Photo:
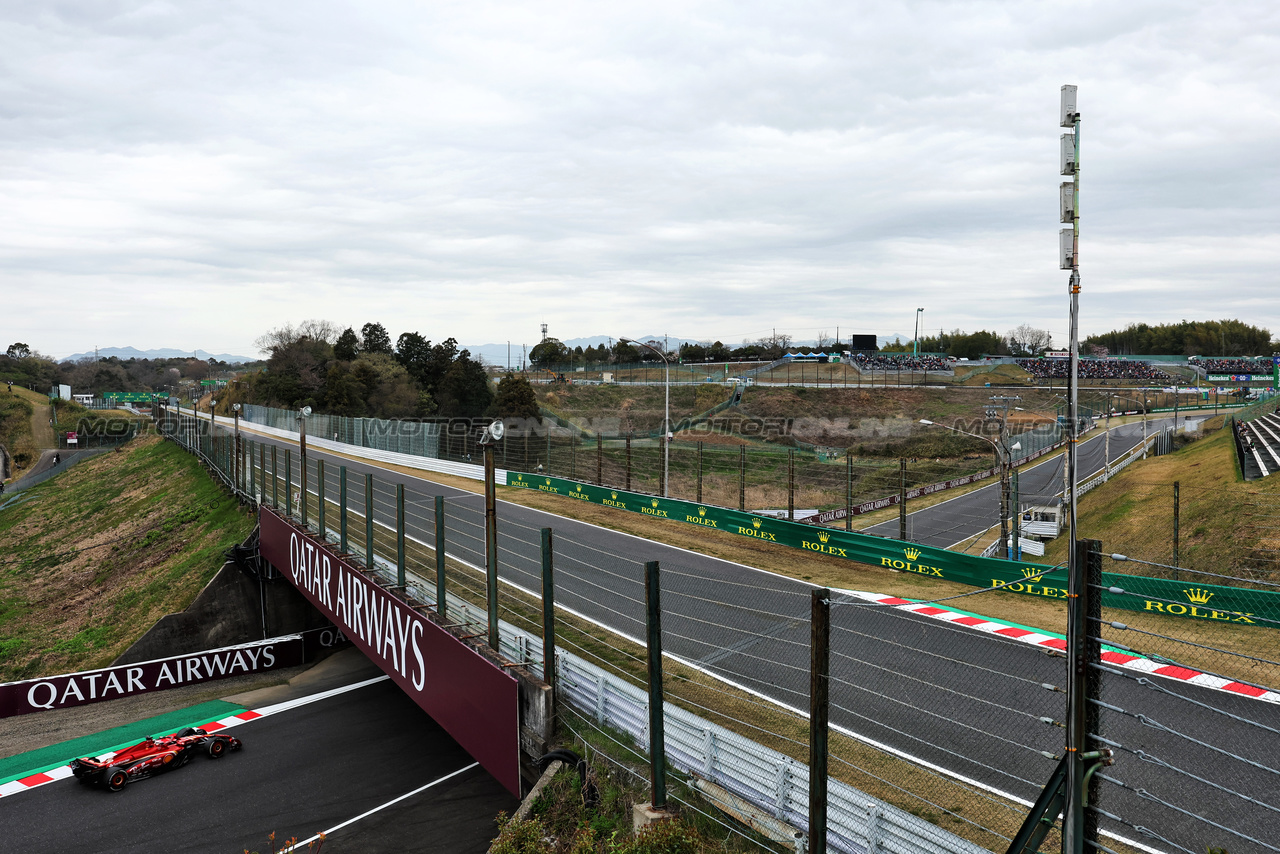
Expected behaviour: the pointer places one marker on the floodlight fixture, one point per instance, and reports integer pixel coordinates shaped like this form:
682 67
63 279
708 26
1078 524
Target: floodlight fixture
1067 158
1068 103
1066 248
493 433
235 407
305 411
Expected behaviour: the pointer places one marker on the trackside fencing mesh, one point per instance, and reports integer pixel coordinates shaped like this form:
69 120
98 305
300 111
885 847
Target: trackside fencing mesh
944 723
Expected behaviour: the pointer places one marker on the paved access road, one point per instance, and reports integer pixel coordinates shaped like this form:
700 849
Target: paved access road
965 702
301 771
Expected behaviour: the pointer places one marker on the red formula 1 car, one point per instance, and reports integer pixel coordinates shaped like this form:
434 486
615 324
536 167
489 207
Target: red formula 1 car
152 756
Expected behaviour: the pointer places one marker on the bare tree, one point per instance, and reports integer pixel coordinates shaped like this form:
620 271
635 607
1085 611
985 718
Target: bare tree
316 330
1026 340
825 340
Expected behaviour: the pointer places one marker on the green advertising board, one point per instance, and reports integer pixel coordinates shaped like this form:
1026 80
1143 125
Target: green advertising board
132 396
1128 592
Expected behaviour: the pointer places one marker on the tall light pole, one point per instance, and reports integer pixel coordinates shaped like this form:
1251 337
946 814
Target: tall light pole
916 338
1078 593
666 418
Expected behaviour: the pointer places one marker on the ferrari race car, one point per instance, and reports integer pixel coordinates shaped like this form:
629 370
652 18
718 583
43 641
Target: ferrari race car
152 756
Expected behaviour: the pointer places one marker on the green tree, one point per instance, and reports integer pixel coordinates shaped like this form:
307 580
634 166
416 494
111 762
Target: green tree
374 339
347 346
464 392
515 399
414 352
388 390
548 352
18 350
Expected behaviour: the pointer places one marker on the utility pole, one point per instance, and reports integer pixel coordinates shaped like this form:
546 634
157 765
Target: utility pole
1073 821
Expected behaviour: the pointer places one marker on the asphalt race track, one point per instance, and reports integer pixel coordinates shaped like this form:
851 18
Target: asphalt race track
953 521
967 702
301 771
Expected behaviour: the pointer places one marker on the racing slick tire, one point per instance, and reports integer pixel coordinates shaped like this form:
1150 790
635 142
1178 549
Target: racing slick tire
216 748
115 778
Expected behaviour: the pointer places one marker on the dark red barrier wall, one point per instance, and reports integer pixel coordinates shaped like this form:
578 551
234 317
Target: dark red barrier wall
126 680
475 701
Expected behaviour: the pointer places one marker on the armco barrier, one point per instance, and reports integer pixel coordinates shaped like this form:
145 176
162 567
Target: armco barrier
467 470
1157 595
778 784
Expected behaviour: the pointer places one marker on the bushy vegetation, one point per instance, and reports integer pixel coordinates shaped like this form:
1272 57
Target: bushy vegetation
15 428
568 817
342 373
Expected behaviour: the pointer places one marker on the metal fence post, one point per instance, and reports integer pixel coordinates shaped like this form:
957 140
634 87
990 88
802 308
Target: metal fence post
742 477
902 498
400 535
368 521
657 741
1016 504
342 509
699 472
302 488
320 514
1177 507
548 618
848 491
440 592
791 484
288 483
275 479
819 711
1082 652
491 546
628 462
599 460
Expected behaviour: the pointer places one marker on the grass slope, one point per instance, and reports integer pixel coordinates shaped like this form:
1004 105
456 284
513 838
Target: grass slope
15 430
96 555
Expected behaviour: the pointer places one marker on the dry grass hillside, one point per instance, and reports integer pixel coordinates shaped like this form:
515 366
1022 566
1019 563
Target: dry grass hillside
93 557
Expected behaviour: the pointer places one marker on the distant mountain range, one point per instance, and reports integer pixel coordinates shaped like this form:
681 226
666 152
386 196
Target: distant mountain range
161 353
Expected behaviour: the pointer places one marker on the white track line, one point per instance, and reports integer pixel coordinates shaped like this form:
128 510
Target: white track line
379 808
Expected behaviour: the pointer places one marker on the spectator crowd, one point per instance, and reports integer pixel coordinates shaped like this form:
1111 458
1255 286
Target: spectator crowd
902 362
1234 366
1094 369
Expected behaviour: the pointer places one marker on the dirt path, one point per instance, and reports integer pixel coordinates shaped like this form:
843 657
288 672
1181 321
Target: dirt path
41 429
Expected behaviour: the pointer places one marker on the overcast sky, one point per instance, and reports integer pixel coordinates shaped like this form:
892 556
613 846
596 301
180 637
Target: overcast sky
193 174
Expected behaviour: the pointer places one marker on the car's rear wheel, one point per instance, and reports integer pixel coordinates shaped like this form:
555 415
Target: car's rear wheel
216 748
116 779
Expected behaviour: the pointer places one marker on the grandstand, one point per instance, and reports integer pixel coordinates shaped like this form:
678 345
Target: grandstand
1258 444
902 362
1094 369
1231 366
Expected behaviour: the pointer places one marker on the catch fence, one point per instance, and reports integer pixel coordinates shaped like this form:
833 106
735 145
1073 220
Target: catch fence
945 722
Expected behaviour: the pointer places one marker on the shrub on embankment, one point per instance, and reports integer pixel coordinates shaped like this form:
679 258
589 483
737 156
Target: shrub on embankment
91 558
15 429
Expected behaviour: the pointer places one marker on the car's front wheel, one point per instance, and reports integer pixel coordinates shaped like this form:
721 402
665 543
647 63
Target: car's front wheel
216 748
